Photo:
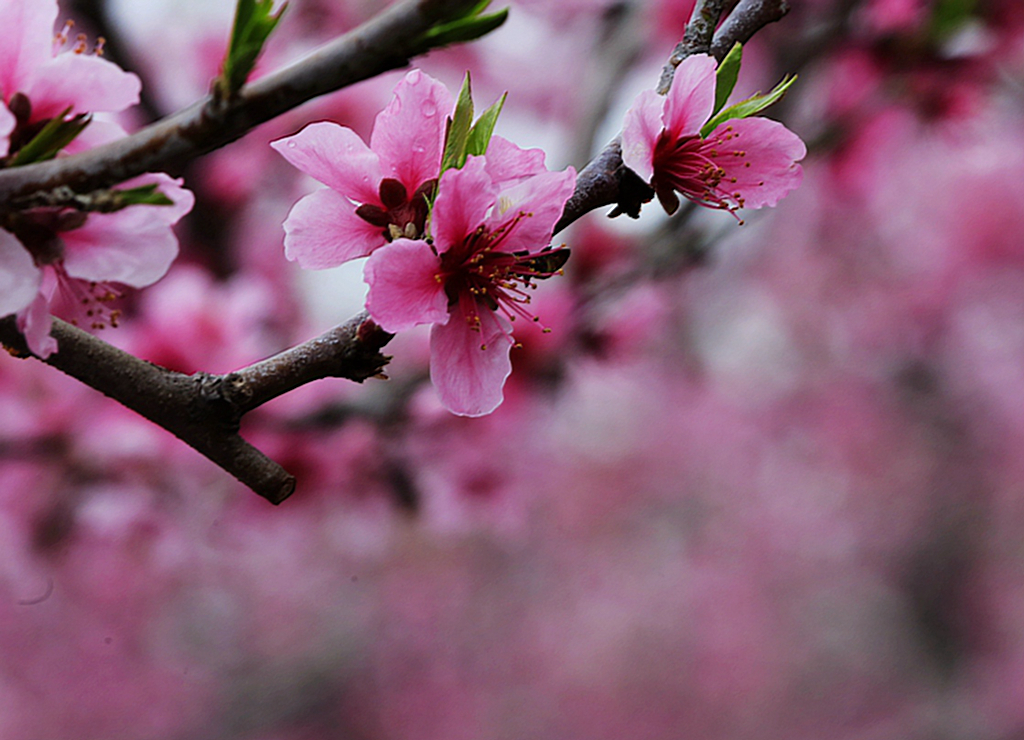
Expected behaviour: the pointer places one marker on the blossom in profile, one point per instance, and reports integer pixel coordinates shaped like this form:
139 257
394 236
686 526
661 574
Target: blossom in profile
473 278
742 162
75 263
379 192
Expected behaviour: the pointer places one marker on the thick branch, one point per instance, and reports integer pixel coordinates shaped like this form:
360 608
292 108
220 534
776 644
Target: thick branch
749 17
384 43
606 180
204 410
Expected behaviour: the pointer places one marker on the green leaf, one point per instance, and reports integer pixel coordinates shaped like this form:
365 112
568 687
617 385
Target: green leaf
144 195
467 27
482 131
54 136
750 107
949 16
253 26
457 134
725 76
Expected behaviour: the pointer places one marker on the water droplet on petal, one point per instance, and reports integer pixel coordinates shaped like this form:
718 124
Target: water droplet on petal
291 144
429 108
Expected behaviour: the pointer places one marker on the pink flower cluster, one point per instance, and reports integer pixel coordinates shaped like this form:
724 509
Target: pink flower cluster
459 250
56 257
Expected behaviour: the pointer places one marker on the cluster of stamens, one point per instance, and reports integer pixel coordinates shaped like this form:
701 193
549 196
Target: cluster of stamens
692 167
86 302
477 273
81 43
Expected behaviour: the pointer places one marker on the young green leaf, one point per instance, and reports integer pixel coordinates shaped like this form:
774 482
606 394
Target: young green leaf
469 26
725 76
253 26
54 136
750 107
144 195
457 135
482 131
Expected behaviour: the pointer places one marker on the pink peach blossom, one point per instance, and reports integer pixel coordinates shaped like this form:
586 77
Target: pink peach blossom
749 162
379 192
472 280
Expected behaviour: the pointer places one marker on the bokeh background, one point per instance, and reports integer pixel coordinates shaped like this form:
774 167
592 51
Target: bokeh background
760 481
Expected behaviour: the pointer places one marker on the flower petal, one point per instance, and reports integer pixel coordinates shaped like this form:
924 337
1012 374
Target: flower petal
35 323
467 367
28 41
404 291
19 277
760 160
337 157
691 98
409 133
134 246
324 231
7 124
641 131
85 82
463 199
542 199
507 164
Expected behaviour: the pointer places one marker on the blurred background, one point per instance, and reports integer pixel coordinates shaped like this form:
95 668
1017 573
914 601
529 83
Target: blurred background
760 481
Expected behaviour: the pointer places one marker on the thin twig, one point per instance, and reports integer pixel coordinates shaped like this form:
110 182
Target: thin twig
696 39
386 42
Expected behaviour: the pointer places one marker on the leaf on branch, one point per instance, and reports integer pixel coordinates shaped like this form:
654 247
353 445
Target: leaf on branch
144 195
462 139
725 76
54 136
253 25
469 27
750 107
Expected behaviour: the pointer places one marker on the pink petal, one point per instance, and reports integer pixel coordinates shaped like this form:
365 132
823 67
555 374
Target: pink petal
409 133
770 149
542 199
85 82
640 133
507 164
337 157
691 98
28 41
35 323
404 291
7 124
324 231
134 246
468 368
463 199
19 277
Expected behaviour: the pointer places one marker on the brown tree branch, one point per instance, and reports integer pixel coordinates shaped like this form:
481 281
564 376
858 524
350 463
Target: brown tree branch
696 39
204 410
386 42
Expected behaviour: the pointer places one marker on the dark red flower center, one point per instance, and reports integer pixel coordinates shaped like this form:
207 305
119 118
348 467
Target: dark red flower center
399 215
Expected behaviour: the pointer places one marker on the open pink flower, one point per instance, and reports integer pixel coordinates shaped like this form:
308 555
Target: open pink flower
748 162
40 79
71 262
378 193
472 280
